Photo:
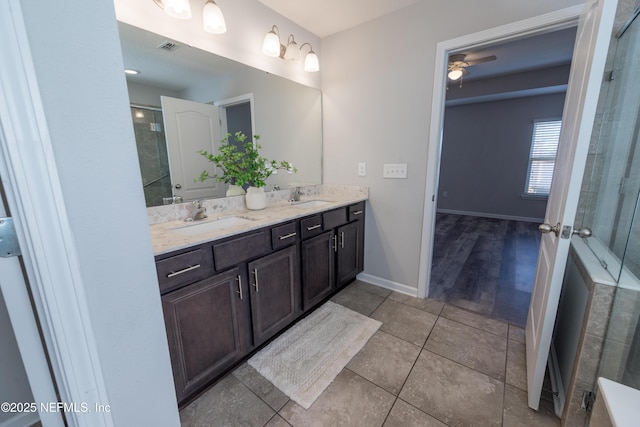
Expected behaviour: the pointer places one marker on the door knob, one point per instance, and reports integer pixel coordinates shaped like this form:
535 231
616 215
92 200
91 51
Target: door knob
178 186
583 232
546 229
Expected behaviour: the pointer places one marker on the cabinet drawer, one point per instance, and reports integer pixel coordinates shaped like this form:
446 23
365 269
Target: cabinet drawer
232 252
283 235
334 218
311 226
356 211
185 268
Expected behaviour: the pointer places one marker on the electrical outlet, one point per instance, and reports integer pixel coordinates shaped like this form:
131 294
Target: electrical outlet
395 171
362 169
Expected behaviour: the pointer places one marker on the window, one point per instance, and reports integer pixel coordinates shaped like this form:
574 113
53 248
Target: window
542 159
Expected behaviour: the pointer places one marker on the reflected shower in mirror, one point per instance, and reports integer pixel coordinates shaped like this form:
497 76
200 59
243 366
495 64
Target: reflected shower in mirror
286 115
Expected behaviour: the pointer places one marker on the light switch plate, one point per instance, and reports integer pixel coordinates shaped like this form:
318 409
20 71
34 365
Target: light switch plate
395 171
362 169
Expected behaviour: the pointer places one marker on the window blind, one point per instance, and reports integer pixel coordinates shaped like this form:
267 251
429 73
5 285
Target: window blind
542 158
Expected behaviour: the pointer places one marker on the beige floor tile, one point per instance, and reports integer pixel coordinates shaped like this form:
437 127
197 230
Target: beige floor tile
404 415
262 387
476 320
516 333
408 323
385 361
453 393
518 414
350 400
228 403
368 287
516 365
476 349
426 304
358 300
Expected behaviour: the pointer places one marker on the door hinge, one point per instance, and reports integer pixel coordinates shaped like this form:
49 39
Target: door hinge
8 239
588 398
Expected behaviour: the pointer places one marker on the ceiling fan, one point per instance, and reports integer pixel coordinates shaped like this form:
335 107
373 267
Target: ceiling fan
458 65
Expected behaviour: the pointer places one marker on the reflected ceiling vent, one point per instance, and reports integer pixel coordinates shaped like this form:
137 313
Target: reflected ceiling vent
168 46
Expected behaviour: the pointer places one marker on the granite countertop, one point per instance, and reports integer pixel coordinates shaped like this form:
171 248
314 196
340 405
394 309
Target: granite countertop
165 239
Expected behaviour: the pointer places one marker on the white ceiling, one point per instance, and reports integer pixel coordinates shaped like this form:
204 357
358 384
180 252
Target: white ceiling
326 17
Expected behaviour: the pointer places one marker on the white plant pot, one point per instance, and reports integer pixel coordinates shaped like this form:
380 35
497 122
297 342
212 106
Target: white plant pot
235 190
256 198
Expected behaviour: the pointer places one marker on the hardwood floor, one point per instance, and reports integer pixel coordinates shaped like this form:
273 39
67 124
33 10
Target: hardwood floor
485 265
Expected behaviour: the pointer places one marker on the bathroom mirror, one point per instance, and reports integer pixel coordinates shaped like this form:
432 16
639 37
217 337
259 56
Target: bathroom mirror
286 115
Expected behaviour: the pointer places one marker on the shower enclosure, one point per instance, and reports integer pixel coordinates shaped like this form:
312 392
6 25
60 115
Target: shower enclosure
152 153
610 198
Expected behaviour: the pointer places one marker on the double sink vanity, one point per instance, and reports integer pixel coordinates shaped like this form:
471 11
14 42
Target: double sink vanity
235 279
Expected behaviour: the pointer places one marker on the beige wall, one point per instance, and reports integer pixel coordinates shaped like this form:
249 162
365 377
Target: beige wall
377 84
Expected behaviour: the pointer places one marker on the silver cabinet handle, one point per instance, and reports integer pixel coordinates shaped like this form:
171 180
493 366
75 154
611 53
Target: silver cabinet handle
314 227
335 243
239 291
255 274
356 212
184 270
286 236
342 239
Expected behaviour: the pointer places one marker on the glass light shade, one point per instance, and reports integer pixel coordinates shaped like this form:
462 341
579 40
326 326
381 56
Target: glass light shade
293 51
311 63
212 19
271 44
180 9
455 74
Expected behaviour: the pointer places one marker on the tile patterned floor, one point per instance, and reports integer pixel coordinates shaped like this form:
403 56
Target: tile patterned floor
430 364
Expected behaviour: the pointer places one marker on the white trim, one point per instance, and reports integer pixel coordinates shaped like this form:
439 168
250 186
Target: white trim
388 284
556 382
563 18
34 195
490 215
223 104
23 419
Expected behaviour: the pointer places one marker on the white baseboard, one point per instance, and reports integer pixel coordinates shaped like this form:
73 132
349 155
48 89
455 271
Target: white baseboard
387 284
556 382
490 215
23 419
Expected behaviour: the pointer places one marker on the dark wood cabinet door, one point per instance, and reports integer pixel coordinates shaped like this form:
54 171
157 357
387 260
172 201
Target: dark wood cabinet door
275 289
318 269
349 252
205 329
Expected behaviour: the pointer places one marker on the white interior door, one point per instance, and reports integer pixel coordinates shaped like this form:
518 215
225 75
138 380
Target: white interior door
191 127
592 41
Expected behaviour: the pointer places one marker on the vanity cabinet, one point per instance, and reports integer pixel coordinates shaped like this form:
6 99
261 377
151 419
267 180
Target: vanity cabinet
223 299
206 330
334 258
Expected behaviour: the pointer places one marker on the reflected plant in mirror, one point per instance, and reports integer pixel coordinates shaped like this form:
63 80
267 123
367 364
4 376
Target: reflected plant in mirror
241 164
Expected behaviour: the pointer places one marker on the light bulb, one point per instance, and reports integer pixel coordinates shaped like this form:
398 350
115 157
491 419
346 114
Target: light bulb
455 74
212 18
180 9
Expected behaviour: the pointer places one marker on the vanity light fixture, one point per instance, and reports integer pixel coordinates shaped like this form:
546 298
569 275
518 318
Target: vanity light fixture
212 18
271 46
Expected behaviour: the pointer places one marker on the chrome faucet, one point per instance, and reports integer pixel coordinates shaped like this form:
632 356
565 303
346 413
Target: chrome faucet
198 211
295 195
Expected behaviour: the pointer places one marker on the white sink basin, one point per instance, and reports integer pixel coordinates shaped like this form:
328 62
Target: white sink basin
214 225
311 204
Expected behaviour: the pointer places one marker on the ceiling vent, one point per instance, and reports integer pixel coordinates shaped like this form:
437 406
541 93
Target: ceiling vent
168 46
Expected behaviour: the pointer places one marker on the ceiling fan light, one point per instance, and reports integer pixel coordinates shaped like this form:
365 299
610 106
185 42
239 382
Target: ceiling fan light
180 9
311 63
271 44
455 74
212 18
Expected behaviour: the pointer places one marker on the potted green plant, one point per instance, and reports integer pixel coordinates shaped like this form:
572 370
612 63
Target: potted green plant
241 164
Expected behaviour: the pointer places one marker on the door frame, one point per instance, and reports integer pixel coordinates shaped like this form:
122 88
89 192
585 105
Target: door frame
34 196
240 99
560 19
